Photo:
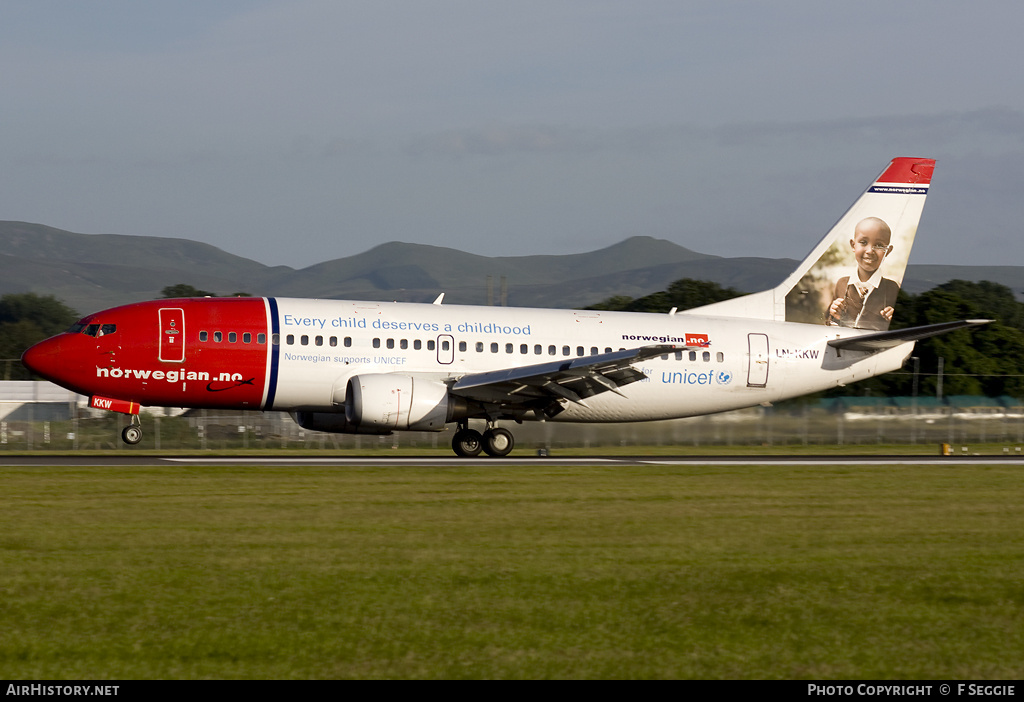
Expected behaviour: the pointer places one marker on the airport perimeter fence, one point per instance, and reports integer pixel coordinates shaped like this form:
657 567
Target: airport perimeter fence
39 427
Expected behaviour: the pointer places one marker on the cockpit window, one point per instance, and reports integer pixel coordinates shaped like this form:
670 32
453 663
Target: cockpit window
95 329
75 328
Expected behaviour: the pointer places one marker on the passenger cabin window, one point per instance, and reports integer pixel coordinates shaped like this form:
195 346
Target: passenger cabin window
261 339
218 337
290 339
319 341
232 337
246 338
203 335
275 339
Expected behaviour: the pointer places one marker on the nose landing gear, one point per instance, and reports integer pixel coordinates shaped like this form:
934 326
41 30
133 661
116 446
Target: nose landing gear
132 434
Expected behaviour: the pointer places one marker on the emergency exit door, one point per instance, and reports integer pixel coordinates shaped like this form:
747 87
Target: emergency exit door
445 349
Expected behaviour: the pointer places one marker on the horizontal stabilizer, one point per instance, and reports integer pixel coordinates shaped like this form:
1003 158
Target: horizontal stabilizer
889 339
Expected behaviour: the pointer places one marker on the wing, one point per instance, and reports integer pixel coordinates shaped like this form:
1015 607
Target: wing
546 385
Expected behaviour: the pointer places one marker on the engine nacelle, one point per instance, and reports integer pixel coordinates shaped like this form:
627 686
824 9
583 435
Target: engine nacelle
385 401
332 423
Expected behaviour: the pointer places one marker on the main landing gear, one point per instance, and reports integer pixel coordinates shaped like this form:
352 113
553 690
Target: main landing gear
132 434
496 442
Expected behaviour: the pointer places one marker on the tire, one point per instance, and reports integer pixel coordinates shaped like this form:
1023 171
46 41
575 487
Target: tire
498 442
467 443
131 435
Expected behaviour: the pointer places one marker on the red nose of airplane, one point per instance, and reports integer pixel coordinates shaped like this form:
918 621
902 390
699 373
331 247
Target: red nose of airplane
44 358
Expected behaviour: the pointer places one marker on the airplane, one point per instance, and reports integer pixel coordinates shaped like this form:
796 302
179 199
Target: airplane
363 367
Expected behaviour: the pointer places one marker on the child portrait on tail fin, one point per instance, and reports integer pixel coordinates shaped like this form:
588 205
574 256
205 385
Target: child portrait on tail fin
863 298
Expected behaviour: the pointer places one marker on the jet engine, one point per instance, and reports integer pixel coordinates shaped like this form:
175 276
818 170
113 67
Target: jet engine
332 423
386 401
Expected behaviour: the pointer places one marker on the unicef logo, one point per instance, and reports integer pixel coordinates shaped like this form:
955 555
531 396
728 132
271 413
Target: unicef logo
723 377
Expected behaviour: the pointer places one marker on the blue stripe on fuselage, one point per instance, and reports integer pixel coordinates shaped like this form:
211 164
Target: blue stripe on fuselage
275 352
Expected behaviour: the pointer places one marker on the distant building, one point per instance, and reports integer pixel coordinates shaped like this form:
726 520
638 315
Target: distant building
37 400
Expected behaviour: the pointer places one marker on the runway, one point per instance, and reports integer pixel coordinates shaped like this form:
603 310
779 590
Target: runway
525 461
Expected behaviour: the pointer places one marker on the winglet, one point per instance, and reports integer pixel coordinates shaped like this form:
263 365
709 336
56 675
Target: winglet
438 300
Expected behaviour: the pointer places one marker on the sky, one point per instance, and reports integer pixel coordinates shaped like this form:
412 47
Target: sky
298 131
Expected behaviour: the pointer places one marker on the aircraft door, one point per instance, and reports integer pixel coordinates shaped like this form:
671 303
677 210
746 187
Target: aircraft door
172 334
445 349
757 373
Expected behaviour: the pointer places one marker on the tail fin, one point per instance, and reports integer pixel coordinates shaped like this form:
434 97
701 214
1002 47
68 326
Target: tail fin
852 276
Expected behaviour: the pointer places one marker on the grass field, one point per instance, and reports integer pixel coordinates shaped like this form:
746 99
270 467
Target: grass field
512 572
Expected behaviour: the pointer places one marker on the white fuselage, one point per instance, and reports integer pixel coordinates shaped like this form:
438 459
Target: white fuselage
728 363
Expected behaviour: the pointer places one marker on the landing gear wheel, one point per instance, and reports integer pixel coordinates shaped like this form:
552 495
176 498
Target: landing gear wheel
131 434
498 442
467 443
